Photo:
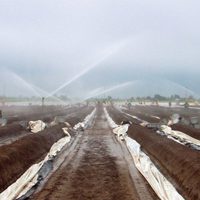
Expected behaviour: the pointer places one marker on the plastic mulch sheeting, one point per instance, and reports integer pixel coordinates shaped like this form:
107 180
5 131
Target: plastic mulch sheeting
39 171
36 126
180 137
162 187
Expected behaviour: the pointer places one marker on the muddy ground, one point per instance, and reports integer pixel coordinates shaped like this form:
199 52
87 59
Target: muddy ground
166 112
149 114
179 163
14 114
18 156
96 169
18 129
97 166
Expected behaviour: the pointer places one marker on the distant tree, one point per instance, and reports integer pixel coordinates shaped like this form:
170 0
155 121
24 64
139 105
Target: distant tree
109 98
148 98
176 96
132 99
159 97
191 98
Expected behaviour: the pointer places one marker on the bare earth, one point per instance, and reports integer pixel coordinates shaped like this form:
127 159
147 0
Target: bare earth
98 168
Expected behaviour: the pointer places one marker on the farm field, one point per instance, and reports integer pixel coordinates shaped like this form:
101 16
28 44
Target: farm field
96 164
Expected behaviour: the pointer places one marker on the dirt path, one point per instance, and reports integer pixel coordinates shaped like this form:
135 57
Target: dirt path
97 169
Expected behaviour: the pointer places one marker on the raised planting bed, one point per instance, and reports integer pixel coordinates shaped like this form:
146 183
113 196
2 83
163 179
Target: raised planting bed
17 157
179 164
193 132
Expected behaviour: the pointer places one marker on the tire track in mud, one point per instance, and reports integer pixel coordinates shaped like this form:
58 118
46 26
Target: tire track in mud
95 170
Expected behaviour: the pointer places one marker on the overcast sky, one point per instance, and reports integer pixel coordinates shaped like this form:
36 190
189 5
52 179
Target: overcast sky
154 44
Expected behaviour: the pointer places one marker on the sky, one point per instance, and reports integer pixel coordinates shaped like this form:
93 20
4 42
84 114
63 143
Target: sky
84 48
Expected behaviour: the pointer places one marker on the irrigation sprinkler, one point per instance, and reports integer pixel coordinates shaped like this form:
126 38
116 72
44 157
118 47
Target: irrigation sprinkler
106 54
43 101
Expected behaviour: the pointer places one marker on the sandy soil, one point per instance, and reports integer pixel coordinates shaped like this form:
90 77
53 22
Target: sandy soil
97 168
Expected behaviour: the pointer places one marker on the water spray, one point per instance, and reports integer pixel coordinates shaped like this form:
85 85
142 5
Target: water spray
107 54
35 89
28 85
119 86
187 90
43 101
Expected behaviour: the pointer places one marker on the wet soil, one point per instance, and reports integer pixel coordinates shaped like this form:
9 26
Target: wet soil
14 131
193 132
180 164
17 157
145 113
166 112
97 169
15 114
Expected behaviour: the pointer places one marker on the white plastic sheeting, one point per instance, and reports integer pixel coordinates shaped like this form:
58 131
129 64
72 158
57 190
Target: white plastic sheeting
177 136
142 122
154 116
180 136
174 119
58 145
30 177
110 121
23 184
36 126
86 121
80 125
3 122
162 187
121 131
